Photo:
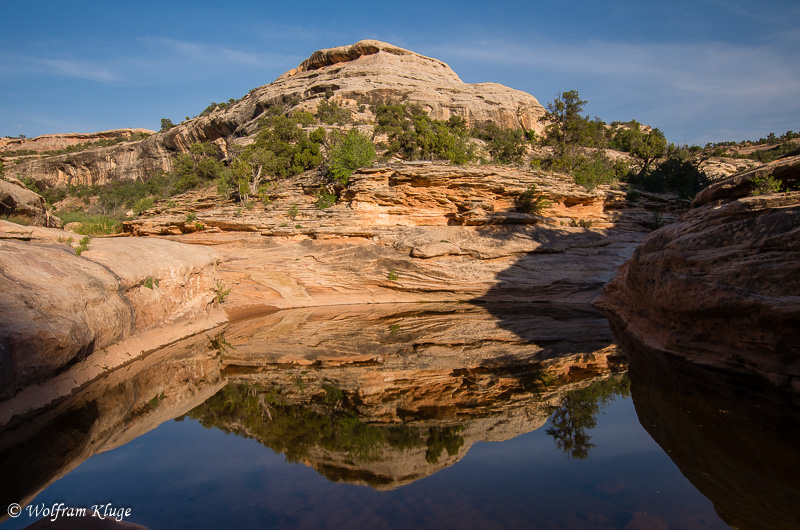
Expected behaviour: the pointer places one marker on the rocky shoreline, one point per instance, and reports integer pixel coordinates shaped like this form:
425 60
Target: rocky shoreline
402 233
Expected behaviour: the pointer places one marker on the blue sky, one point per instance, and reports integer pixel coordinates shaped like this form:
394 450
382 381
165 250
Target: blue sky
701 70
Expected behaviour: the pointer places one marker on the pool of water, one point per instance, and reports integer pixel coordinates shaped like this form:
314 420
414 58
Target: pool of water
182 475
431 417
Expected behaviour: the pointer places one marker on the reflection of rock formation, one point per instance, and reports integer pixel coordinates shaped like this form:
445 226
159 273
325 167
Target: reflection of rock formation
333 387
426 382
732 436
38 447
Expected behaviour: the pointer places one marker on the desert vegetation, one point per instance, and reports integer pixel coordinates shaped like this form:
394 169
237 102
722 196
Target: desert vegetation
331 142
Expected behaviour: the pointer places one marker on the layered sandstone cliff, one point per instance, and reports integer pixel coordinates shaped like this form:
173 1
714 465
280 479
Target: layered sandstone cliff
721 286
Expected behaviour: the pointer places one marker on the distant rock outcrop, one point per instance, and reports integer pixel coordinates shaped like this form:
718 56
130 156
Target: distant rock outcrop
353 76
17 200
722 286
55 142
373 71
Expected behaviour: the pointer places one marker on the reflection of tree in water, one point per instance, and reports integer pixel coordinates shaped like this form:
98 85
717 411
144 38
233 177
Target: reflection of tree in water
578 413
256 412
440 438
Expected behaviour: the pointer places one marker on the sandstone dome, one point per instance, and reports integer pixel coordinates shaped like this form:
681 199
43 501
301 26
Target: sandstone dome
372 71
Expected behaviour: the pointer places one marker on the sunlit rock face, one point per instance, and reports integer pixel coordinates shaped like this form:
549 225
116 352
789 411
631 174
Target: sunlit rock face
18 201
733 436
417 232
356 76
722 286
59 309
374 71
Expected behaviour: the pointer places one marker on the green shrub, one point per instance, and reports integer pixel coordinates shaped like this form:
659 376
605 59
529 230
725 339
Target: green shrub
506 146
594 171
531 201
413 135
83 245
334 397
220 292
347 153
330 113
91 224
324 199
282 148
143 204
673 175
765 185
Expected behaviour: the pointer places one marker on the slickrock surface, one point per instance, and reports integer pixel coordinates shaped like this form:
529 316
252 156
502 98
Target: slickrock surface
58 309
721 287
416 232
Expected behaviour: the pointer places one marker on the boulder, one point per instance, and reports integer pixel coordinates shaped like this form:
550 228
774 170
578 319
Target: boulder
18 201
57 308
720 287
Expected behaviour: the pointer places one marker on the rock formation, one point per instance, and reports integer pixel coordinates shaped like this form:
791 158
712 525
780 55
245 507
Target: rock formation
402 233
415 232
56 142
371 71
18 201
721 286
58 309
361 74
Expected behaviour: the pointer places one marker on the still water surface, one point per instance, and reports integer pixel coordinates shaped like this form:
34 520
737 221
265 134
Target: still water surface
467 417
182 475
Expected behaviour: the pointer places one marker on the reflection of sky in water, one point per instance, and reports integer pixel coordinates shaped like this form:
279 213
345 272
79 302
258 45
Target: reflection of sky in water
182 475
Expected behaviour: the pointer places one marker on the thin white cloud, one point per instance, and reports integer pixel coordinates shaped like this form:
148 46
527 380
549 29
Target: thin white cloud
79 69
167 51
712 69
24 65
